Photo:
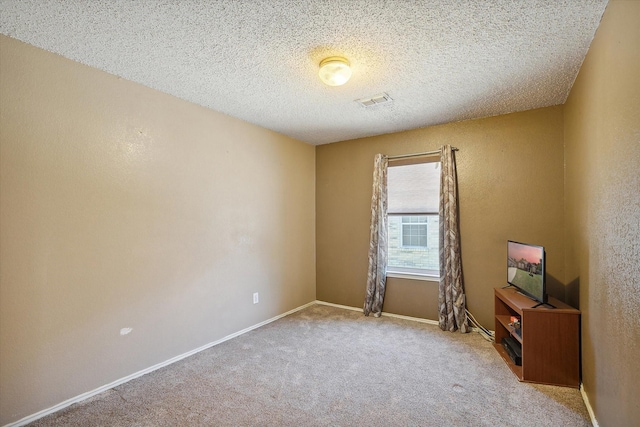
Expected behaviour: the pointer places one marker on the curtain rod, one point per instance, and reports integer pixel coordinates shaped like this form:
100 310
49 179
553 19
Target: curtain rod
426 153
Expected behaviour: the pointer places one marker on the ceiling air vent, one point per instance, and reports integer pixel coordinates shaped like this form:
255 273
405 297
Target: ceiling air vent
381 98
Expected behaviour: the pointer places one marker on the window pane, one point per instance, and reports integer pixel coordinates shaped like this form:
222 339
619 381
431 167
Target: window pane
413 242
414 188
413 217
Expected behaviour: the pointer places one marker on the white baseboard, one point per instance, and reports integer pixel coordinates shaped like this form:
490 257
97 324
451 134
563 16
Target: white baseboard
413 319
398 316
592 415
346 307
31 418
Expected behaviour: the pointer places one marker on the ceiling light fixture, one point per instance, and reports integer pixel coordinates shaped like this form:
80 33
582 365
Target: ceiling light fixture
334 71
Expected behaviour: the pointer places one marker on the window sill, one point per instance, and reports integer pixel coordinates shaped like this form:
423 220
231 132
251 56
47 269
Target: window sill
412 276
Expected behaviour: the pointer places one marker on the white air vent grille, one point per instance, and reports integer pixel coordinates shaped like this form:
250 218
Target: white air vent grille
381 98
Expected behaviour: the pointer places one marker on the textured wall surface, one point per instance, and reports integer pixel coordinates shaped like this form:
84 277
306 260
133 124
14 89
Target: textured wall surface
602 137
510 179
122 207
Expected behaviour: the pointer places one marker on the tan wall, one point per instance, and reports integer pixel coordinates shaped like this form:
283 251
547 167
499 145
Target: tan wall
510 179
602 137
124 207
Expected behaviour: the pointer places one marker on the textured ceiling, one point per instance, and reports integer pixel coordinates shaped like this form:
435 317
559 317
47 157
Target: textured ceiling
439 60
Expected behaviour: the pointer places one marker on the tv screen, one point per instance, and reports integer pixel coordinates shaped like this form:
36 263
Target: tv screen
525 269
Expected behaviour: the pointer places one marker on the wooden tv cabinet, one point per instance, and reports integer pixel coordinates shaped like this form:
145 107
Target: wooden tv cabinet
550 338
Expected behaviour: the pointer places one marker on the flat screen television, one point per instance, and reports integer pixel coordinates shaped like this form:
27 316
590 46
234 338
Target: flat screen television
525 269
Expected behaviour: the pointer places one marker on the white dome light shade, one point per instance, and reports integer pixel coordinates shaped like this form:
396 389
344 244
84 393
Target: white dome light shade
334 71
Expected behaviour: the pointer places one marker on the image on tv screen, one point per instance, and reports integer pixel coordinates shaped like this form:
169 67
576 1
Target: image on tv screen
525 269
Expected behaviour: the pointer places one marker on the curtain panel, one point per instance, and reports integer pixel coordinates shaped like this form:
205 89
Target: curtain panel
377 274
452 313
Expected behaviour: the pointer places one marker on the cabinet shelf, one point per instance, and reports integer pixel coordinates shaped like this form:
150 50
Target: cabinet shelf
516 369
550 338
504 321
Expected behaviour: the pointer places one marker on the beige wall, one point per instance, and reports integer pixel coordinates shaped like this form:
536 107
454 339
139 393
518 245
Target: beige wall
602 137
124 207
510 179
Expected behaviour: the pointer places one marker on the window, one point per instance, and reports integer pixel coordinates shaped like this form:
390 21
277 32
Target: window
414 231
413 198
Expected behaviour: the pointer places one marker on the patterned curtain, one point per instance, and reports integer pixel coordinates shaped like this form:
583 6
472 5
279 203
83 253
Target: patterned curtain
377 275
451 299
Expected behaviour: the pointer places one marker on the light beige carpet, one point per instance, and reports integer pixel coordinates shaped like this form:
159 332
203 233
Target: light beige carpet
325 366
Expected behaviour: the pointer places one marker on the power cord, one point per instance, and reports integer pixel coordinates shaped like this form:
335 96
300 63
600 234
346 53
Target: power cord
484 332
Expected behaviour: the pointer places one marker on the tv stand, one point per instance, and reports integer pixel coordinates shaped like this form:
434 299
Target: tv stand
550 338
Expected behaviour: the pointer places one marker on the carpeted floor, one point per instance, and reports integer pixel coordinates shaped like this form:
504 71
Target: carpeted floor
326 366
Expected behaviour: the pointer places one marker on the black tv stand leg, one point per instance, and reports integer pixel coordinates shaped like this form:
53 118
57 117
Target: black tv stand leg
543 303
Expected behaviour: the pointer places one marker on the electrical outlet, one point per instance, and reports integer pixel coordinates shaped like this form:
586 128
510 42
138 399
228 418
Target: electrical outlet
256 298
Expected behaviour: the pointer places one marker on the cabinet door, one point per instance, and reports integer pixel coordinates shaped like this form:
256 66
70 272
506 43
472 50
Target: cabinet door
550 349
